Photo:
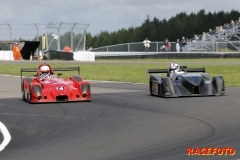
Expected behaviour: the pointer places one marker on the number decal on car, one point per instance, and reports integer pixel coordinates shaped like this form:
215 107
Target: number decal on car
60 88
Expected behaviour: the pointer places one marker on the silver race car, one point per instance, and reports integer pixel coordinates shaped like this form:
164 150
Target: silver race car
183 81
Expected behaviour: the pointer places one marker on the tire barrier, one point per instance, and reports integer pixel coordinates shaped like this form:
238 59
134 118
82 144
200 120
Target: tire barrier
58 55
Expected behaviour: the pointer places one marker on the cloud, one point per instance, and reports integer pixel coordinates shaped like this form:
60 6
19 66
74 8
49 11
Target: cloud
110 15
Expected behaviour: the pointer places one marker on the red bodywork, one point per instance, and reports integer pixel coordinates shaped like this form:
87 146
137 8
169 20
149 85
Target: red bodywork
36 90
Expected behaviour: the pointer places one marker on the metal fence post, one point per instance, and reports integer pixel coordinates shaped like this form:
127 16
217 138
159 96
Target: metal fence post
10 35
213 46
72 35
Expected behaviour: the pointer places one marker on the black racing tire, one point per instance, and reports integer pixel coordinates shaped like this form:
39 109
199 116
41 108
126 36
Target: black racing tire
23 93
168 85
218 84
150 86
162 90
30 95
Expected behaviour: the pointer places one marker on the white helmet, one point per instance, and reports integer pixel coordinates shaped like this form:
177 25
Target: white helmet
45 70
173 68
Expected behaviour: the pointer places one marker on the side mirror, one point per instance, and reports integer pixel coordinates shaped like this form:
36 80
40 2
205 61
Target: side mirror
59 74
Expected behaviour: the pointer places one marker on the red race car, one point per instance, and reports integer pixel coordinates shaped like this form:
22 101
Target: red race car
48 87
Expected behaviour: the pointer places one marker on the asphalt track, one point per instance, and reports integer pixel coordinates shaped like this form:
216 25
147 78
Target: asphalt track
123 122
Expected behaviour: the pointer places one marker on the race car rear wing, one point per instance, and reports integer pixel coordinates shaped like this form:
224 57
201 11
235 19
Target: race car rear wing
155 71
54 69
183 68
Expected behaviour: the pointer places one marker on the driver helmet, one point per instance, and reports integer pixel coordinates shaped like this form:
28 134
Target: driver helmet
45 70
173 68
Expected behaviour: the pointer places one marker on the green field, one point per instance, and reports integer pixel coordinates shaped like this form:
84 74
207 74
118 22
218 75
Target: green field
135 70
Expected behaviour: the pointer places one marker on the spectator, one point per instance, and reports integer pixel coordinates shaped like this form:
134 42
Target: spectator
186 41
166 44
16 52
221 30
209 34
183 44
238 23
211 31
169 47
163 48
178 46
233 25
228 26
204 36
196 38
146 43
225 26
217 30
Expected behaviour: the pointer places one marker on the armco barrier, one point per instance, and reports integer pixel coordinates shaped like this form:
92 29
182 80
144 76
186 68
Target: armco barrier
6 55
76 56
84 56
57 55
167 55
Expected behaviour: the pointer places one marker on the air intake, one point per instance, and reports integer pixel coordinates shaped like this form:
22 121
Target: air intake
61 98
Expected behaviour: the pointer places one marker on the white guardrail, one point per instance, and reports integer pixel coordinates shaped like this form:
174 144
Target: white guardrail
6 55
6 136
77 56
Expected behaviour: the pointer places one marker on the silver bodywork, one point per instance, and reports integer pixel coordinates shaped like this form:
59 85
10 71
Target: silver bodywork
189 83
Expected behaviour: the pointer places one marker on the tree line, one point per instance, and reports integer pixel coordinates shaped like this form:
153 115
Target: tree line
176 27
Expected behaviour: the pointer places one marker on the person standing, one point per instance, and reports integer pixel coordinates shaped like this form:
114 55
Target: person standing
166 44
169 47
16 52
146 43
204 37
178 46
183 43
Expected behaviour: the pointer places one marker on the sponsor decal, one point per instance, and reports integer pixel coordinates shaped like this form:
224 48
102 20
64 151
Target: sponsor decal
210 151
60 88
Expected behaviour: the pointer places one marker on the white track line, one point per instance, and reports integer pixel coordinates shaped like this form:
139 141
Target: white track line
9 75
6 136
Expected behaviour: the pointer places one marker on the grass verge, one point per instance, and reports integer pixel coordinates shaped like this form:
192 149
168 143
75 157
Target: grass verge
134 72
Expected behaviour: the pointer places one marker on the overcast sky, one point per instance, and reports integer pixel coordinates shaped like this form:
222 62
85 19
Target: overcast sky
109 15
